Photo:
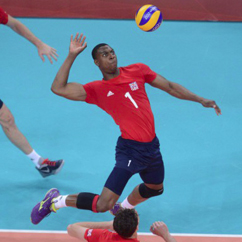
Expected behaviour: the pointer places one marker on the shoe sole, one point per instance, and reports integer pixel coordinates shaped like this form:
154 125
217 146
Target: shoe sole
42 201
59 169
49 191
54 173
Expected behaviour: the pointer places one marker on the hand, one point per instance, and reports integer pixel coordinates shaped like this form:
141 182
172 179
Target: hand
77 45
160 229
44 49
211 104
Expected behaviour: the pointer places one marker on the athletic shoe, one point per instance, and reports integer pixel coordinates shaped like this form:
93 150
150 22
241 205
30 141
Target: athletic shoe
42 209
116 208
48 168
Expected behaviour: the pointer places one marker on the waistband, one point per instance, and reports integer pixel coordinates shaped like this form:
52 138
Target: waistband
134 142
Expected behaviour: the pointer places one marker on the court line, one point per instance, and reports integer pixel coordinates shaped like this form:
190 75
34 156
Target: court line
140 233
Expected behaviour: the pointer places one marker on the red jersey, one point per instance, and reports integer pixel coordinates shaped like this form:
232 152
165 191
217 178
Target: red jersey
125 99
104 235
3 16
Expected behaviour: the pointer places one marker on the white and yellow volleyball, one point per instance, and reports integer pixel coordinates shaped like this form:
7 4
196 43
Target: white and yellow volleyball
148 18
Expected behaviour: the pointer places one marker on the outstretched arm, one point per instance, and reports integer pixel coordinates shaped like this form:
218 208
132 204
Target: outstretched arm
159 228
78 230
73 91
181 92
43 49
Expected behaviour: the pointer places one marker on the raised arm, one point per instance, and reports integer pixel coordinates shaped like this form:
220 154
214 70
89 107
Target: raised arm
43 49
73 91
160 229
78 230
181 92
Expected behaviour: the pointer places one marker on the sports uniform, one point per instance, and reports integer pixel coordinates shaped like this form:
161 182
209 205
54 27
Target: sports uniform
125 99
138 149
104 235
3 20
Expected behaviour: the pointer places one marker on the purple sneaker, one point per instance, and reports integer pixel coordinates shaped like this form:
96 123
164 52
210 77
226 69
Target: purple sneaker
117 207
42 209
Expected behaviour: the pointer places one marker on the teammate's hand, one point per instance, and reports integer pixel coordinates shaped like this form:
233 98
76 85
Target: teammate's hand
211 104
44 49
77 44
159 228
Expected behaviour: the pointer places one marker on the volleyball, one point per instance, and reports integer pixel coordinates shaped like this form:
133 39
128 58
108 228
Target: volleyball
148 18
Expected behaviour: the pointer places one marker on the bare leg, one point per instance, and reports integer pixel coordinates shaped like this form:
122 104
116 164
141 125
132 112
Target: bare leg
105 202
12 132
71 200
134 198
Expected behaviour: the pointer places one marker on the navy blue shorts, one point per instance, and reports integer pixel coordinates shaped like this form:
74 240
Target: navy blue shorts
1 103
136 157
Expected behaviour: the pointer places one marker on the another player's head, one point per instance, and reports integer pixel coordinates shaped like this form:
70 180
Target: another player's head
105 58
126 222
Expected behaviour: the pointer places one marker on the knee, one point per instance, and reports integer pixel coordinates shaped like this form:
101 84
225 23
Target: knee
147 192
69 229
72 230
104 205
11 121
8 121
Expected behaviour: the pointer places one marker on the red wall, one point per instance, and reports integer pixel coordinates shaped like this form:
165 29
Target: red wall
212 10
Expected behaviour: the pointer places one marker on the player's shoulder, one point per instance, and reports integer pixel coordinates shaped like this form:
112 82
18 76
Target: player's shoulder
2 10
107 235
94 83
3 16
135 67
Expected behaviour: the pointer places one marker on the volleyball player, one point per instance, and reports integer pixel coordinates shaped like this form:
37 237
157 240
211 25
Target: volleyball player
45 167
123 228
121 93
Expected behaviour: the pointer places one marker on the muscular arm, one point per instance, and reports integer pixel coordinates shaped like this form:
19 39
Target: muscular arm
21 29
78 230
181 92
73 91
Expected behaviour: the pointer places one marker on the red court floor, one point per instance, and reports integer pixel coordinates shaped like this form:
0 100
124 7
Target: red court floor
52 237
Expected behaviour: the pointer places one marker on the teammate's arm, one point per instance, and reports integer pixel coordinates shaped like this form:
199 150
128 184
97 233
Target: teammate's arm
181 92
159 228
78 230
73 91
43 49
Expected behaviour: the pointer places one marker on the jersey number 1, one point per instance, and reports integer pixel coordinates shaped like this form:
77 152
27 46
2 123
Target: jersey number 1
127 95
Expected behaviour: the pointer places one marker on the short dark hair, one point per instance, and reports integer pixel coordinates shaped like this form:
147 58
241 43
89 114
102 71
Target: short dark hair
125 222
95 49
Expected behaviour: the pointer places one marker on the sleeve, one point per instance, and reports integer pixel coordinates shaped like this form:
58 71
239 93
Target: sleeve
90 89
3 16
93 235
148 74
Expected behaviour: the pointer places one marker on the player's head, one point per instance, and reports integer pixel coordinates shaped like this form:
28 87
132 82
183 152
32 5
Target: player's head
105 58
95 49
126 222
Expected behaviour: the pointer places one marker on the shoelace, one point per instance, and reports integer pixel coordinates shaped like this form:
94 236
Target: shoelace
48 162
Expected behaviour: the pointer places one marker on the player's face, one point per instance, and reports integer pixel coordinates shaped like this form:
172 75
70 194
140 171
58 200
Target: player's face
106 59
